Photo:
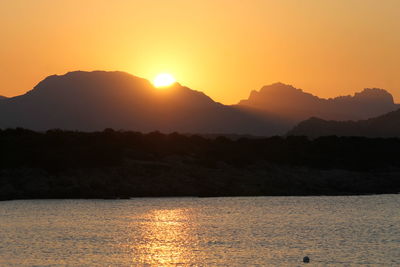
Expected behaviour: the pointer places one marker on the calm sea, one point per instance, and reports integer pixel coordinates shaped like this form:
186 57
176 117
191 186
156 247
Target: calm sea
242 231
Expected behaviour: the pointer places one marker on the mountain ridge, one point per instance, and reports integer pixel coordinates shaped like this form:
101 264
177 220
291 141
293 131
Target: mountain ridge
296 105
386 126
96 100
91 101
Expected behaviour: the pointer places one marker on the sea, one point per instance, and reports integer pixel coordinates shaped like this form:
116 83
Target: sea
192 231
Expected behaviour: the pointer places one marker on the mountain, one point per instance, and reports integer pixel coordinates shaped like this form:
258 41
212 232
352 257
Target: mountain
91 101
97 100
387 125
295 105
2 97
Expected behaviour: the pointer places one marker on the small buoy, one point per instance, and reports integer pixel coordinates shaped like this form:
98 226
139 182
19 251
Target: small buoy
306 259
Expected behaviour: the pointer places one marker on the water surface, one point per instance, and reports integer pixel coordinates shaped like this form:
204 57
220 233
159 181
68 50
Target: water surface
243 231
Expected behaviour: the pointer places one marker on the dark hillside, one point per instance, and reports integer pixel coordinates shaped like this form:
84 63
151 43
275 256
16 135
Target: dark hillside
67 164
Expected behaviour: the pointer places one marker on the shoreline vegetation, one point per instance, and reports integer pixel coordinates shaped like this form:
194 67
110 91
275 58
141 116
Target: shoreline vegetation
112 164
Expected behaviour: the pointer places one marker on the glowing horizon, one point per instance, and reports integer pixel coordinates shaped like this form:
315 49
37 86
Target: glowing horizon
223 48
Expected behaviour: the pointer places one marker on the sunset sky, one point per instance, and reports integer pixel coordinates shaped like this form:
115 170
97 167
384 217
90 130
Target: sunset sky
225 48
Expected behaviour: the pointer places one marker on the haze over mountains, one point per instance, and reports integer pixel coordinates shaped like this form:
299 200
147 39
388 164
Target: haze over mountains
97 100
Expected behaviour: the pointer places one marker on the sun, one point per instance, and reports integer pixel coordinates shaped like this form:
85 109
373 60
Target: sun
163 80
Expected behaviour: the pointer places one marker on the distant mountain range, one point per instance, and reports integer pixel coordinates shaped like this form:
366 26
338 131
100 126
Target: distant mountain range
294 105
97 100
387 125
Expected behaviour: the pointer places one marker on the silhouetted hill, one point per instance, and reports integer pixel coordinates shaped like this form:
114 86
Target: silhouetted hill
91 101
387 125
119 164
96 100
295 105
2 97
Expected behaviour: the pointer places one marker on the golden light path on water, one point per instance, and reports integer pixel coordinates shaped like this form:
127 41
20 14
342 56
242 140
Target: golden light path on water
165 238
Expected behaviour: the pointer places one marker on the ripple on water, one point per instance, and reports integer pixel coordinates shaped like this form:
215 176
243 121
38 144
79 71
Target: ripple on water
244 231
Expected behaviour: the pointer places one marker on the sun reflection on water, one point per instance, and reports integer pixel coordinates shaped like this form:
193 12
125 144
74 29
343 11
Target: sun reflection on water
165 239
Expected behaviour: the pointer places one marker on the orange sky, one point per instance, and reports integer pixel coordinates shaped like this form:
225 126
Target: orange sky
225 48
